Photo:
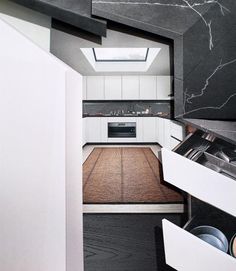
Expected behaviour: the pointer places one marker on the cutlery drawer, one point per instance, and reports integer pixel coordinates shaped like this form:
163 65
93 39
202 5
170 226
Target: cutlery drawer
185 252
199 181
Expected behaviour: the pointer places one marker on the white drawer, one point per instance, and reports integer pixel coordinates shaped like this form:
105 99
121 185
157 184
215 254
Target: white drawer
199 181
186 252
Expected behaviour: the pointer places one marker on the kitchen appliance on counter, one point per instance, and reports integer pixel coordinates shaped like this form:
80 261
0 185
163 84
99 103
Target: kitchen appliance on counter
121 129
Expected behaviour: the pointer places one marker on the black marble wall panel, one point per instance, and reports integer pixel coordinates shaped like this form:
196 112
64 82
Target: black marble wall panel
209 59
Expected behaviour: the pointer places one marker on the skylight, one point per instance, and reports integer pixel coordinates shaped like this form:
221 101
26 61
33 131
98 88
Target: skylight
120 54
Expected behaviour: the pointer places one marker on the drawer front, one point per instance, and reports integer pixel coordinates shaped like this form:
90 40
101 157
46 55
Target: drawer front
199 181
186 252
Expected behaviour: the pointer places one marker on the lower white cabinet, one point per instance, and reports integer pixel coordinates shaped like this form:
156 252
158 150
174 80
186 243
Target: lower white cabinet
104 130
93 130
84 131
186 252
149 129
199 181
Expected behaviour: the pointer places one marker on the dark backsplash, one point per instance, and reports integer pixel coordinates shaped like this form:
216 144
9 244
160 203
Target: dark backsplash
116 107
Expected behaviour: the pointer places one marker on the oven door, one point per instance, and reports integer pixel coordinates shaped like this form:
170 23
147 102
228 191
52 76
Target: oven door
121 129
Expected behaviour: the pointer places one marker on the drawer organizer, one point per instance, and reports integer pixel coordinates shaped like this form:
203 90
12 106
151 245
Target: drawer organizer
196 167
204 167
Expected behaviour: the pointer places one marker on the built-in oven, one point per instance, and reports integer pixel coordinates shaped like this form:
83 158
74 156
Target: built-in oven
121 129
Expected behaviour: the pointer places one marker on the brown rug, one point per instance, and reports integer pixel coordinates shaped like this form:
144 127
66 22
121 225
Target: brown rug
125 175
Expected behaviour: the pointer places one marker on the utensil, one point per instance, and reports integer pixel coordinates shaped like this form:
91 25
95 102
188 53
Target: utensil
227 155
219 170
212 236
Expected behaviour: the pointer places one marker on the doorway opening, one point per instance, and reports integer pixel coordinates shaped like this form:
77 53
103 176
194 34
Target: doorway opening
127 112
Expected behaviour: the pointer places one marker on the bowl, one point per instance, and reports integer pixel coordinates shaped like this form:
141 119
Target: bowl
232 246
212 236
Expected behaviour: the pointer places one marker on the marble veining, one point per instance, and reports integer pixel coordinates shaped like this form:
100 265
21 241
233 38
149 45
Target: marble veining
219 107
190 97
185 4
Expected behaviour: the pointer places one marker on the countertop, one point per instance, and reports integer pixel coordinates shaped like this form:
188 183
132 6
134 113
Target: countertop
126 116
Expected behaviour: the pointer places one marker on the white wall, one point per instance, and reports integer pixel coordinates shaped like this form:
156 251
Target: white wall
74 232
32 24
39 168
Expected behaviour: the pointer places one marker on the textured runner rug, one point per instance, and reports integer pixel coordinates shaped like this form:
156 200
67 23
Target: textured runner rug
125 175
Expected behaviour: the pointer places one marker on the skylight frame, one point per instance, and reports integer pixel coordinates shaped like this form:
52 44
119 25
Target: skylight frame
120 60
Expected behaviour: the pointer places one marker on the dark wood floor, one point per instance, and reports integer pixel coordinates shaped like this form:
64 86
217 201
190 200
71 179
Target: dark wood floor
125 242
125 175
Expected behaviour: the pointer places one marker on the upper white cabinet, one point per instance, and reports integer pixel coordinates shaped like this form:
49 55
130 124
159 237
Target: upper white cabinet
143 87
95 88
130 87
148 88
113 88
163 87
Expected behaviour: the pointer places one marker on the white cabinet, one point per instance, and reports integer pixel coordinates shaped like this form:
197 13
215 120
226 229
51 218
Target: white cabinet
163 87
160 131
149 129
113 88
186 252
148 88
84 141
95 88
130 87
93 130
84 88
167 133
104 130
139 129
199 180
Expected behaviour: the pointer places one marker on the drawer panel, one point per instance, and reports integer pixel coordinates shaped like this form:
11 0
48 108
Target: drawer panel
186 252
199 181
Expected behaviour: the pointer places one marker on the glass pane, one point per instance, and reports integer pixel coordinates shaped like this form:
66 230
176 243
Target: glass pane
120 54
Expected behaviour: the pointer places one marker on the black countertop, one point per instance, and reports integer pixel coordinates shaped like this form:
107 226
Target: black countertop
126 116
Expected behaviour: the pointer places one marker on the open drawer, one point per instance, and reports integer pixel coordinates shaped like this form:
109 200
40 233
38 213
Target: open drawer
185 252
198 180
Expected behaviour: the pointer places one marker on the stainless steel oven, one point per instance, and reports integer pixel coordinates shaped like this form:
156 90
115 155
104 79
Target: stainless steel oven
121 129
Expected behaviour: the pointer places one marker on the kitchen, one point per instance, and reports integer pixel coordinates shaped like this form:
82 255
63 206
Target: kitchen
160 111
127 99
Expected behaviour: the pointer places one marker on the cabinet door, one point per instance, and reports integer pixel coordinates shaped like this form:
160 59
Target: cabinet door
95 88
149 129
113 87
167 134
139 129
163 87
84 131
93 130
148 87
84 87
104 129
130 87
161 131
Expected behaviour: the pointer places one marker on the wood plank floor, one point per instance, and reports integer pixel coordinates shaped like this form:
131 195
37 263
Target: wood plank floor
125 242
125 175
